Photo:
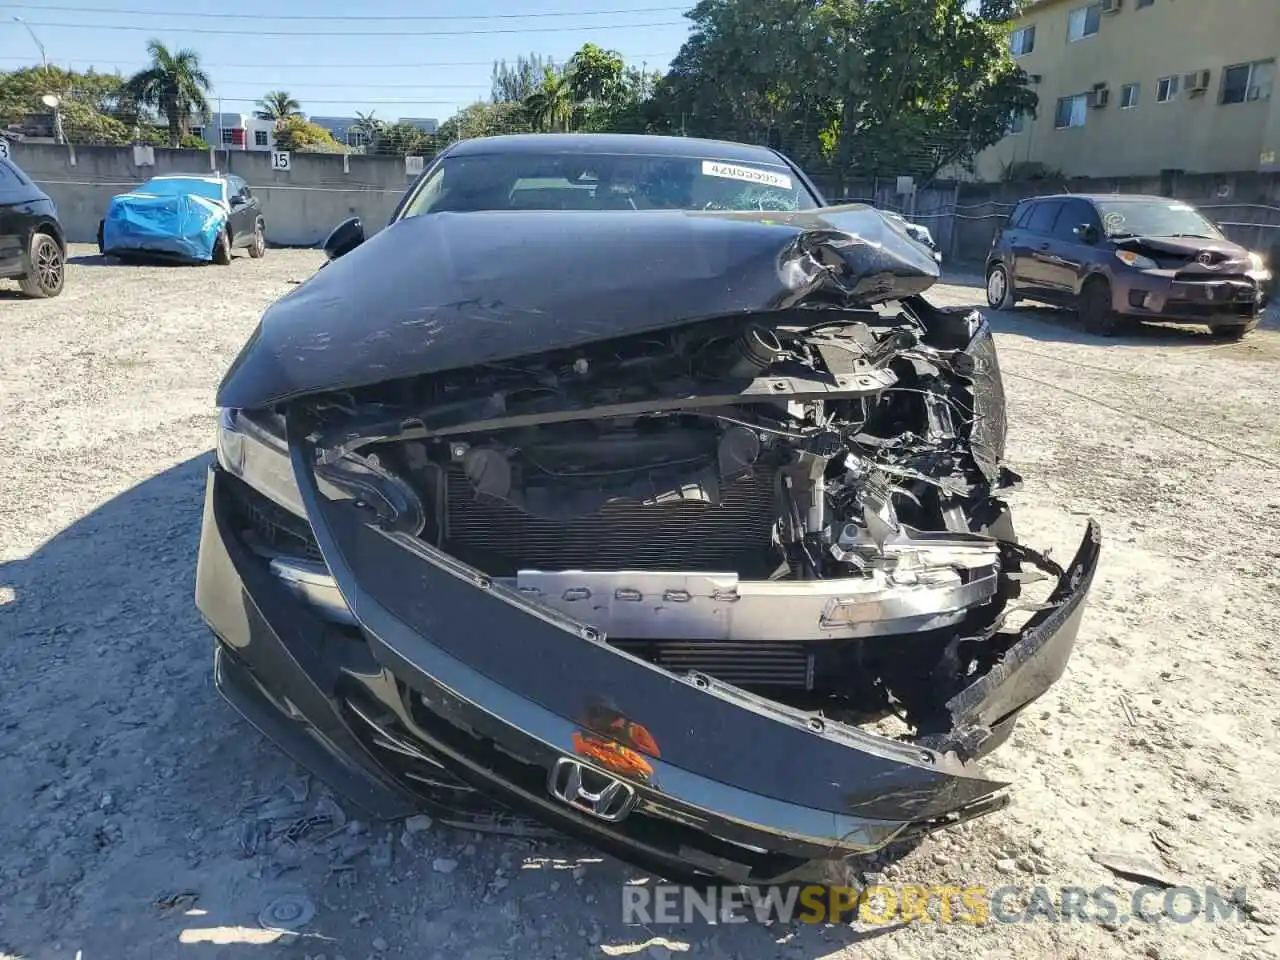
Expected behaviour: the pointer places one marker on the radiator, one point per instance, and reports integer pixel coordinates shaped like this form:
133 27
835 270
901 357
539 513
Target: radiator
735 534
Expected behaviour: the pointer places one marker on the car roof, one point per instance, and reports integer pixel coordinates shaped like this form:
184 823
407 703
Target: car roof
206 178
1111 197
623 143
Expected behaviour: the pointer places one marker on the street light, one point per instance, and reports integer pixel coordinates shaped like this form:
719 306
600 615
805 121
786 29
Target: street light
49 99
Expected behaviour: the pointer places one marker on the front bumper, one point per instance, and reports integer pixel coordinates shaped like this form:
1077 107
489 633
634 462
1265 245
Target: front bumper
1161 295
450 695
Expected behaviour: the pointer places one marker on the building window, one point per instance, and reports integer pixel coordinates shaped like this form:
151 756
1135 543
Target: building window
1129 96
1144 3
1248 81
1071 112
1166 89
1084 22
228 135
260 138
1017 122
1022 41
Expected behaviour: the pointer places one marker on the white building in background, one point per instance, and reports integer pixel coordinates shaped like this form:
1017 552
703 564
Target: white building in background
237 131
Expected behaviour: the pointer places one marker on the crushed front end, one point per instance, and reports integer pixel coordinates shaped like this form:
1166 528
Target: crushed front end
731 597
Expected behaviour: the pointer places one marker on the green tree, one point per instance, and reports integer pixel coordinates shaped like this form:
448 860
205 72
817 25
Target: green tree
512 83
299 135
87 100
175 85
483 119
404 140
862 87
551 106
277 105
595 74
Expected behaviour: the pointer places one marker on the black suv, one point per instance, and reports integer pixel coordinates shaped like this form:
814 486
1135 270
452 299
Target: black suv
33 248
1117 257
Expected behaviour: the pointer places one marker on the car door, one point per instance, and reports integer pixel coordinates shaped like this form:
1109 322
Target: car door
1013 240
1035 258
241 217
15 220
1066 260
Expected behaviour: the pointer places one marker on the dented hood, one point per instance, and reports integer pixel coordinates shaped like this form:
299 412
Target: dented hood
452 290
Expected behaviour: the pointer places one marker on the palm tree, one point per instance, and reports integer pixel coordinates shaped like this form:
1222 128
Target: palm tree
278 105
175 85
551 105
368 126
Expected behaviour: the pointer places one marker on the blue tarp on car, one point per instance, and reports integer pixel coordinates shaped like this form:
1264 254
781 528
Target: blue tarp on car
165 217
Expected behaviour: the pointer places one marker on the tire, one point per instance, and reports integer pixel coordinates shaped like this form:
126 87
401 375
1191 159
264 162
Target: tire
1000 294
1234 332
1095 309
101 249
258 246
48 267
222 249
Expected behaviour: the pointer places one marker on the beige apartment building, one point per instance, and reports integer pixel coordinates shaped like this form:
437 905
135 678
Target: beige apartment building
1136 87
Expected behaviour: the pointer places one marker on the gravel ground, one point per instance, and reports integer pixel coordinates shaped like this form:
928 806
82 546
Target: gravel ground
134 802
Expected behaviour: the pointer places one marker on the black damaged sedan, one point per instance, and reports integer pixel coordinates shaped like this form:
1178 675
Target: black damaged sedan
620 488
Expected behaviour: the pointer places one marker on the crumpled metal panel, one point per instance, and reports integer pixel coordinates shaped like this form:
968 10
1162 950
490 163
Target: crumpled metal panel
181 225
452 290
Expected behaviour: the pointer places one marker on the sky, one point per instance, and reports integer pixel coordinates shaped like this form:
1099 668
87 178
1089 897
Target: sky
398 58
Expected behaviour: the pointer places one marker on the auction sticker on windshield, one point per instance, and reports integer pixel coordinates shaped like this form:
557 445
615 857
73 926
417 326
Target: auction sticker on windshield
731 171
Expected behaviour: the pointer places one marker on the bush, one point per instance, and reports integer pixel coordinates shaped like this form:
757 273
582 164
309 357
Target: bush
301 136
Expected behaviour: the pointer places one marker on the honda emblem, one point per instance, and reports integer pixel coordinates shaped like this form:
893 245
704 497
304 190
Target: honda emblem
590 791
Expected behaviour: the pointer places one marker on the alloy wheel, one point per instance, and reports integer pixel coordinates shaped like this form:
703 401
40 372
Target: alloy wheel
48 264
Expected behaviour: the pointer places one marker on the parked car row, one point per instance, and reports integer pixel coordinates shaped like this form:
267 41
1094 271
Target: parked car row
186 219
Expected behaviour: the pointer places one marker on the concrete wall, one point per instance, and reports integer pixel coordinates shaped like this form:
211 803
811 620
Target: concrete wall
300 205
1197 134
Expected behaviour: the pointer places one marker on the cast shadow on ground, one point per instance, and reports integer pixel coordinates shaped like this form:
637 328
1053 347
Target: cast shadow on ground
104 260
103 612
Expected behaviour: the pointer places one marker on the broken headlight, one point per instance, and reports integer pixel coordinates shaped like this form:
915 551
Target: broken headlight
248 448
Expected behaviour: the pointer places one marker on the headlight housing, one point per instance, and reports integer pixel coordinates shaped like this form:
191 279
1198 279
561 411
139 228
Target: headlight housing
253 448
1136 260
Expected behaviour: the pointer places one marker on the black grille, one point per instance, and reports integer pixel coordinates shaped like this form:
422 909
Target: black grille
733 535
272 526
741 663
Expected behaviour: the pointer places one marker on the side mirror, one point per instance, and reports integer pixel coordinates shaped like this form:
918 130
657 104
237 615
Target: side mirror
344 238
1086 232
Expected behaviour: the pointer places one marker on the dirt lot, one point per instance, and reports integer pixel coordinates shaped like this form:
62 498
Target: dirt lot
125 780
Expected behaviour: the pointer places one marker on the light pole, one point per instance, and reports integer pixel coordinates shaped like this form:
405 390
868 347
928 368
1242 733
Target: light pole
44 63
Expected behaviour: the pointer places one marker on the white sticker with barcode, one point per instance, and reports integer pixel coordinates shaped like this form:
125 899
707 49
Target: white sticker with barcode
731 171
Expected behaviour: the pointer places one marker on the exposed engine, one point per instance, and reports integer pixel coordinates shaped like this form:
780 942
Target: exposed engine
768 502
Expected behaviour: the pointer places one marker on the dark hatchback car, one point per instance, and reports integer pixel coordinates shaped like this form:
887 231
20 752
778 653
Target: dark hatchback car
33 248
1116 258
616 487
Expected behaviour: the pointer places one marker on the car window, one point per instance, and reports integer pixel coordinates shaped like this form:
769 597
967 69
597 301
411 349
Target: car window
1043 216
9 179
1018 218
1074 214
1154 218
605 181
